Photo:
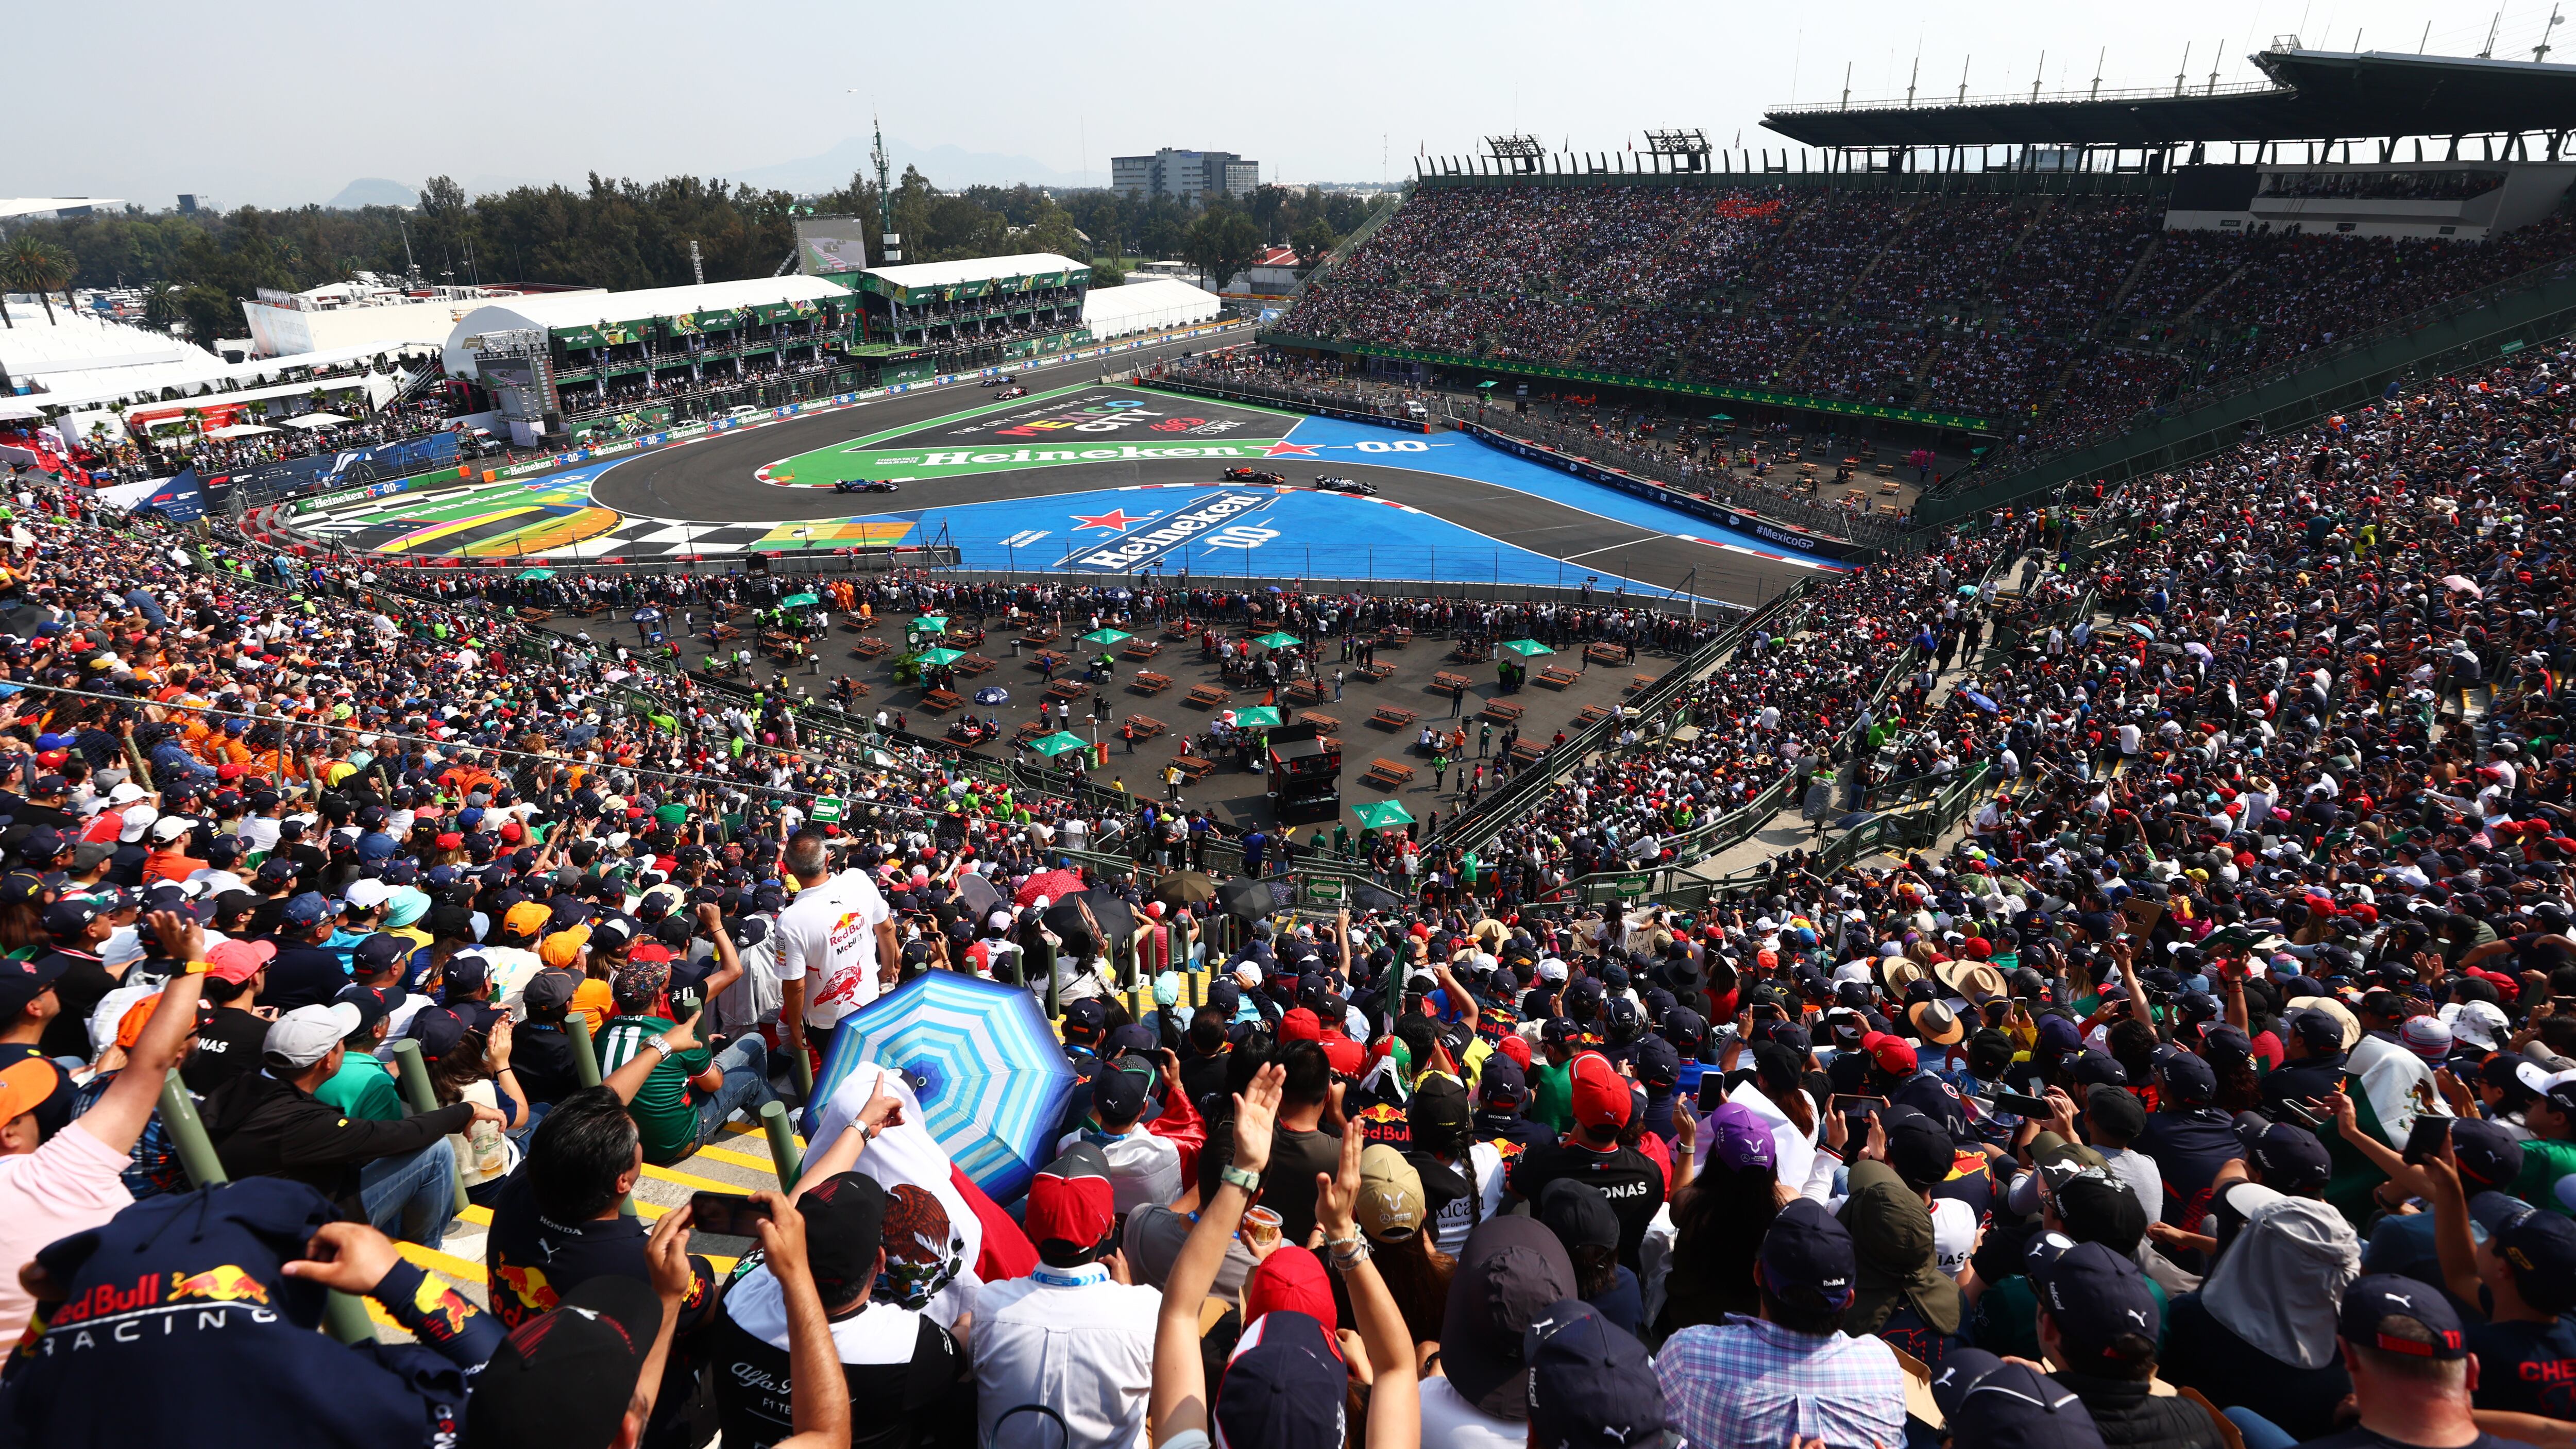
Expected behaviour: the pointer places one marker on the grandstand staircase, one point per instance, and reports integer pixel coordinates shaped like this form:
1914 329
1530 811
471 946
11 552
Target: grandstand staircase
2129 283
1834 310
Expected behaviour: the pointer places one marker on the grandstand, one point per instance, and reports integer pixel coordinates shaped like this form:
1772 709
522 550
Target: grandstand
2028 273
926 317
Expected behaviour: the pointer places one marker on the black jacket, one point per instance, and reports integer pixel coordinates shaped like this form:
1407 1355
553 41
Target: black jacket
263 1127
2131 1418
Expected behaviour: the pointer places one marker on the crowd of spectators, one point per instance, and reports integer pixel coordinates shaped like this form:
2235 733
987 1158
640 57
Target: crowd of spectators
2208 1087
2053 317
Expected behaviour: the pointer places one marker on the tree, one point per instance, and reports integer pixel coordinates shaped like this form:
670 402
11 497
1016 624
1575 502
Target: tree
39 266
1221 244
1105 272
161 306
1313 242
1266 204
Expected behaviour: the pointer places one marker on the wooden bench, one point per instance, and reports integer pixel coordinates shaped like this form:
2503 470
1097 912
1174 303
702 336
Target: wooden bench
1394 638
1557 676
1391 718
1502 711
1050 659
1322 722
1148 682
1305 691
1604 652
1036 729
1639 684
1527 751
940 701
1444 681
871 647
1192 768
1388 774
1471 651
1208 696
1375 673
1592 714
1141 649
1067 689
957 638
1179 629
971 664
1146 725
1040 637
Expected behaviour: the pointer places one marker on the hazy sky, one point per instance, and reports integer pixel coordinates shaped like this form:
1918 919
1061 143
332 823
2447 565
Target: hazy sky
286 103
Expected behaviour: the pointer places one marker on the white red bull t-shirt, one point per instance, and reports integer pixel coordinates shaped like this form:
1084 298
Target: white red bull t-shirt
827 938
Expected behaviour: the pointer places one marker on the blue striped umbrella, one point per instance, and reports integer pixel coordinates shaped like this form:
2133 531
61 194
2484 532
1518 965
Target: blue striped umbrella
991 1076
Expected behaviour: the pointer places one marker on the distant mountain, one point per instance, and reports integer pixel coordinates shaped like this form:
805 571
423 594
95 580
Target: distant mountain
373 191
950 168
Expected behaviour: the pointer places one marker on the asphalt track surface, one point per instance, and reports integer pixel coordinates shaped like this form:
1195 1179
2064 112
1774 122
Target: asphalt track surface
712 482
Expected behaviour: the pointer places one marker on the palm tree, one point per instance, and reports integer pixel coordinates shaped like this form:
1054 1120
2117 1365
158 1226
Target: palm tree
39 266
161 306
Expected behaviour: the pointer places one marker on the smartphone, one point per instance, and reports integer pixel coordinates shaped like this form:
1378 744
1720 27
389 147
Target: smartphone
2424 1140
726 1214
2021 1106
2300 1115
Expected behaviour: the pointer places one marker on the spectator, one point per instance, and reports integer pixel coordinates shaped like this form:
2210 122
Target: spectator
1075 1334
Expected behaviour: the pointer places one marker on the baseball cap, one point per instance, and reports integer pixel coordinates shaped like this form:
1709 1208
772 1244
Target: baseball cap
1502 1082
2191 1080
1391 1205
1071 1207
1590 1382
566 1377
1894 1055
1118 1095
306 1035
2487 1154
1601 1095
527 918
22 981
1738 1138
1578 1214
171 827
2096 1297
1511 1271
2399 1315
70 916
1284 1385
844 1226
2116 1110
1918 1149
1990 1404
550 990
2540 1247
308 909
24 1086
2290 1157
1807 1259
238 961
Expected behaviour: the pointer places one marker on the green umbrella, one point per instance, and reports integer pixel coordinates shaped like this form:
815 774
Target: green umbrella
1106 637
1259 716
1526 647
536 574
798 601
1383 815
1277 640
930 624
1720 418
936 657
1059 742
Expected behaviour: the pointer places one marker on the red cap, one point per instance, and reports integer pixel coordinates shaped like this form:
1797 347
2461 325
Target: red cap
1894 1054
1514 1049
1600 1094
1071 1201
1347 1056
1292 1278
1300 1024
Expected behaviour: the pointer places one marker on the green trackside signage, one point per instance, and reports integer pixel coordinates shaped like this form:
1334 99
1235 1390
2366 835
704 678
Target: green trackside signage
940 462
827 810
610 334
620 425
1838 407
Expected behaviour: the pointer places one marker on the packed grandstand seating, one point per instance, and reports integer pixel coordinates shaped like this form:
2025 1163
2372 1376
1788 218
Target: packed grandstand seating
2052 316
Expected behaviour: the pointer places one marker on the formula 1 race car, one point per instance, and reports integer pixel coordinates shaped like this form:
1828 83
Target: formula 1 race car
1005 380
1352 486
865 485
1251 475
1012 392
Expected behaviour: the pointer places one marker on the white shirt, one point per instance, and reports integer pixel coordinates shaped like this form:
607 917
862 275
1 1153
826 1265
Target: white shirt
1070 1338
829 932
1450 1422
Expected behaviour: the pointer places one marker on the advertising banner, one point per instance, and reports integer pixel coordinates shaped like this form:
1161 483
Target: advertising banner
340 469
180 499
1797 540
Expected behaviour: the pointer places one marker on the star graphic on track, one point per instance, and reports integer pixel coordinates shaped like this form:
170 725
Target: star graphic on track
1284 449
1115 518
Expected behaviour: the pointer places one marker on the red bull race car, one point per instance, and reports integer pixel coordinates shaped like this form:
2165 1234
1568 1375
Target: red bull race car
1252 475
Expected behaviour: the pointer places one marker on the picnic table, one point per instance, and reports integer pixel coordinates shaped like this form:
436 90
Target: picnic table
1396 637
971 664
1179 629
1208 695
1528 751
940 701
1037 634
1557 676
1192 768
1388 774
1146 725
1067 689
1502 711
1444 681
1139 648
871 647
1036 729
1390 717
1591 714
1601 651
1050 659
1322 722
1375 673
1305 691
1148 682
1640 683
1471 651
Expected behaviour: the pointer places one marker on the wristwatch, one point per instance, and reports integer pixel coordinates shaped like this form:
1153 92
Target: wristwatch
662 1044
1250 1182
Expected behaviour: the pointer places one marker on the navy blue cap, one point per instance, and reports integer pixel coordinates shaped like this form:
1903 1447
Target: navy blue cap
2400 1315
42 843
2540 1247
2012 1406
380 952
2290 1158
22 981
2190 1080
71 916
1118 1096
2096 1297
308 909
1502 1081
437 1029
1657 1065
1806 1259
1285 1385
1590 1382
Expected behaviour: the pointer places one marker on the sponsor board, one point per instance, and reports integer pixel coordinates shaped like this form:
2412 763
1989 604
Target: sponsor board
1142 543
1813 544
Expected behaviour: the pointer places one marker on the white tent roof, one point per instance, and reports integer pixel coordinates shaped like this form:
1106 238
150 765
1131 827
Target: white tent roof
239 430
316 420
1146 305
575 309
950 274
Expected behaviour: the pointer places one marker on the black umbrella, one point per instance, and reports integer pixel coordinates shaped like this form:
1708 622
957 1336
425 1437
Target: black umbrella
1117 919
1370 896
1247 899
1185 888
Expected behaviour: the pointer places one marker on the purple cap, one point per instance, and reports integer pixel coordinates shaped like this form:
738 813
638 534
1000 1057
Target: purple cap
1737 1138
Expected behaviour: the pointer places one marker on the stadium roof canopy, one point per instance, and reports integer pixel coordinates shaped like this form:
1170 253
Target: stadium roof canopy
2311 94
977 269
